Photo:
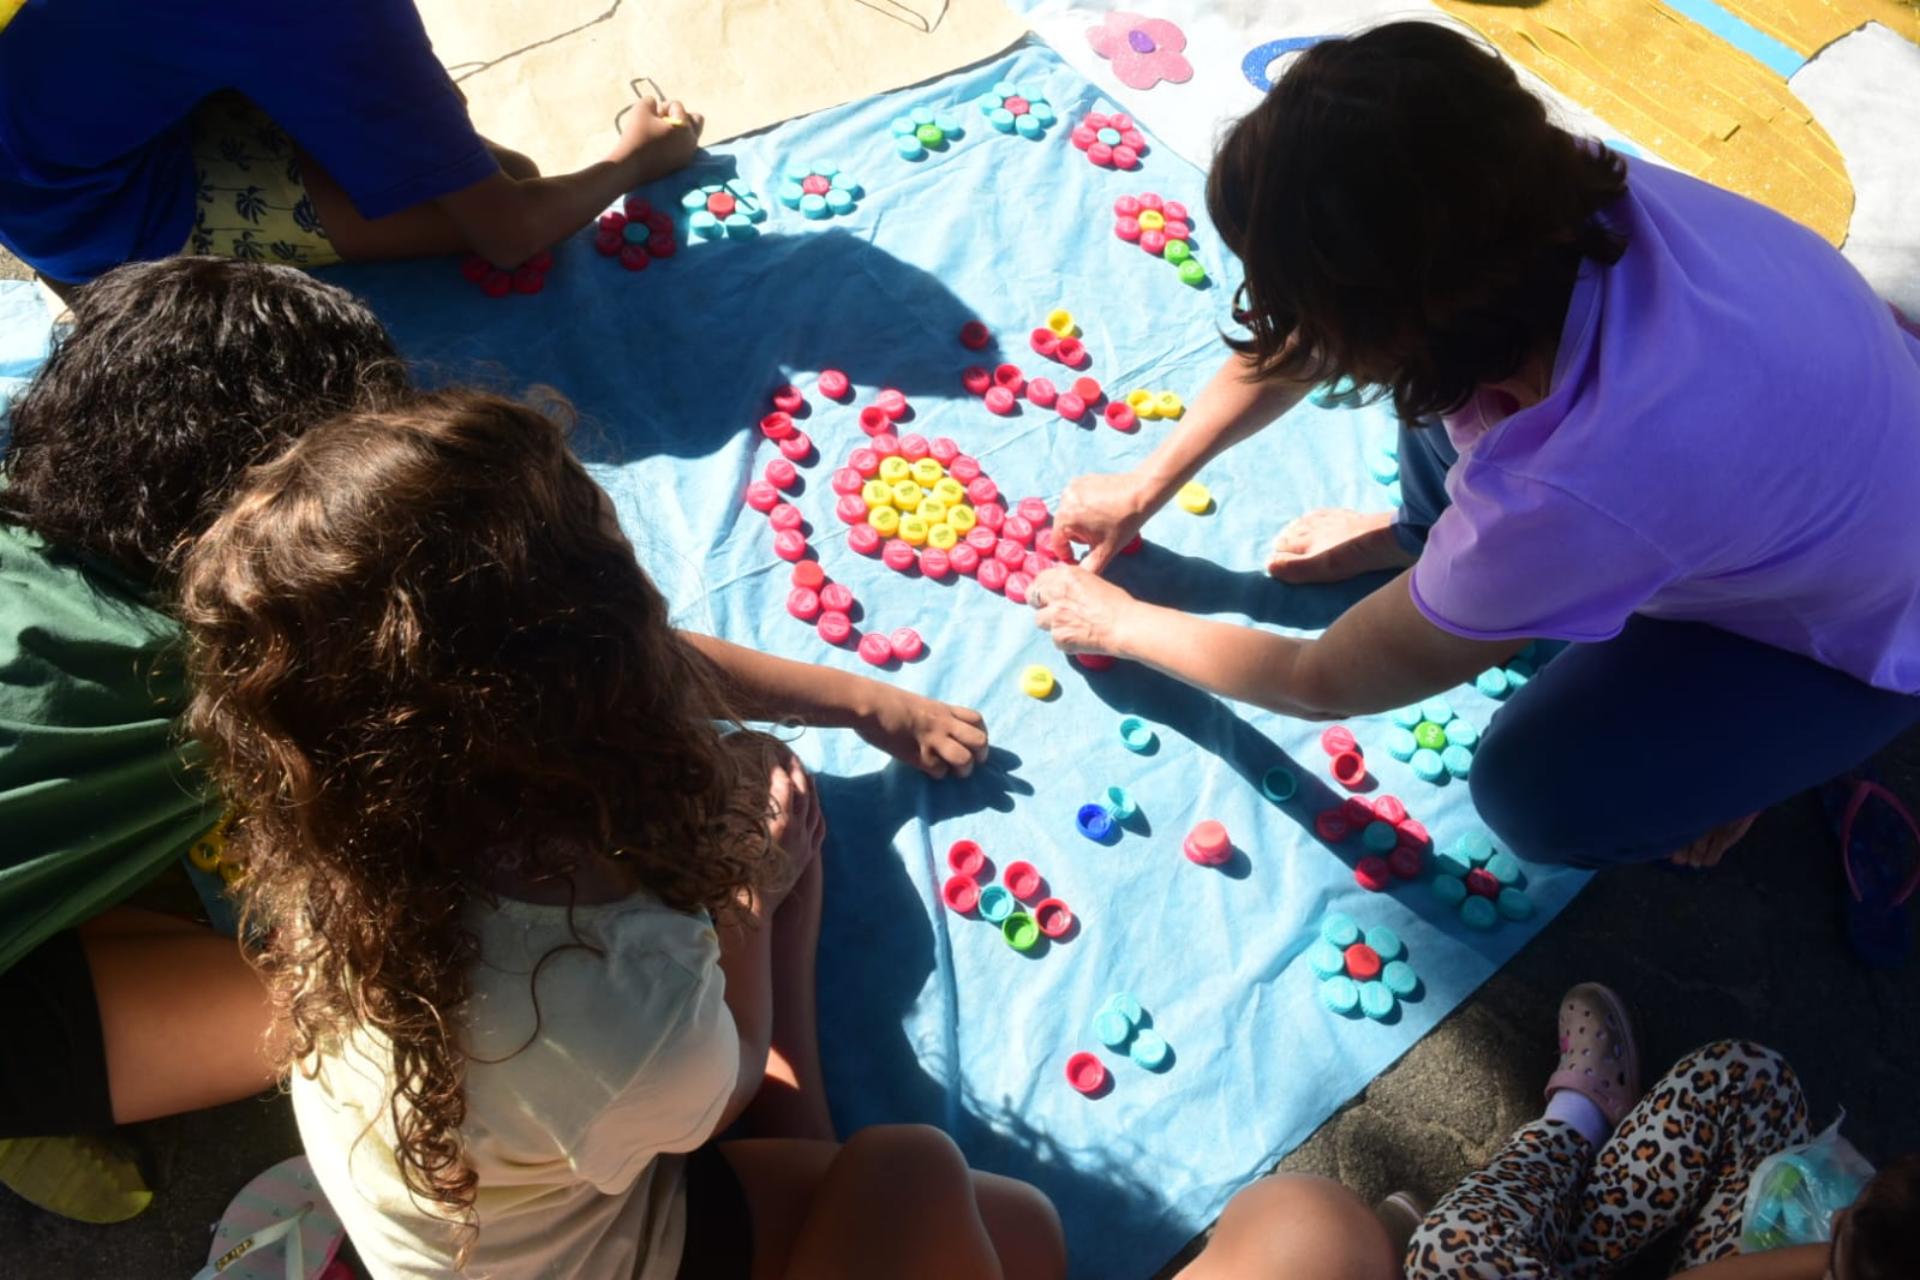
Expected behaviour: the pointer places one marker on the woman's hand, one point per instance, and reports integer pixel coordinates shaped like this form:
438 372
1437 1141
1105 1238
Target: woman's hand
937 738
1081 610
1102 513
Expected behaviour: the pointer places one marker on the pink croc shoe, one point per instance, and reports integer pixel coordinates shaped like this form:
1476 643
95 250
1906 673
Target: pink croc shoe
1598 1056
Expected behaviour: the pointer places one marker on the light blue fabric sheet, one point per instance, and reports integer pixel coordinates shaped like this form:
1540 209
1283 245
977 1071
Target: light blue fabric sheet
926 1015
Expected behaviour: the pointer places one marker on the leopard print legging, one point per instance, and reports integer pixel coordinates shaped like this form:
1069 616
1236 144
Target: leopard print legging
1680 1159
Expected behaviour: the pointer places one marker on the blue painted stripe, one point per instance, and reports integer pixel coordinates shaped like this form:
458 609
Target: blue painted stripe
1254 65
1749 40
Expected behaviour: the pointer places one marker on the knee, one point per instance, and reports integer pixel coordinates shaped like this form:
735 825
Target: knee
1025 1227
1290 1225
1523 799
918 1149
1748 1070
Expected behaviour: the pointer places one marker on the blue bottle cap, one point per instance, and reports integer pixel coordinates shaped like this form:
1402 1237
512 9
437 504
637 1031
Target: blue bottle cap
1400 743
1326 960
996 903
790 195
1375 1000
1473 847
922 115
1438 710
1109 136
1149 1049
1479 912
1504 867
1518 673
1341 994
1514 904
1406 717
840 200
844 182
1384 941
1040 111
1001 119
903 126
949 125
1028 126
1450 889
1094 822
636 232
1136 733
1427 766
1457 760
1451 864
1399 978
1278 784
909 147
1120 804
813 206
1492 682
704 225
1111 1028
1463 733
696 198
1339 928
1379 837
1124 1004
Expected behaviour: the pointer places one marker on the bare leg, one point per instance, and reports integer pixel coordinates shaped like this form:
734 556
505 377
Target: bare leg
792 1102
1711 847
1333 544
419 232
184 1018
895 1200
1286 1226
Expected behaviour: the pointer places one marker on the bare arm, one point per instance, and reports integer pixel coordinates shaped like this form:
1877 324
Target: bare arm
1380 654
1798 1262
1103 512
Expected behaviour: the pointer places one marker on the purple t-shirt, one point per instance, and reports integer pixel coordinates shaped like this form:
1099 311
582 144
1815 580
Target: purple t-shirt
1731 436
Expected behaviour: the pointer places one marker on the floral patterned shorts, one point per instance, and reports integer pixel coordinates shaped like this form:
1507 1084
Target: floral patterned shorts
251 202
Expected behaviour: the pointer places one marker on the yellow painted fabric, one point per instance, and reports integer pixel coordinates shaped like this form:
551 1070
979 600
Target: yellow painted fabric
251 202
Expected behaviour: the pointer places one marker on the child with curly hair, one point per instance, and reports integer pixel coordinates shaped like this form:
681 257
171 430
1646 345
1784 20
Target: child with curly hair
537 917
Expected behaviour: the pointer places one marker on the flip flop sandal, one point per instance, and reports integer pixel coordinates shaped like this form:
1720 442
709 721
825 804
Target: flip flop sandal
280 1227
1599 1058
87 1179
1880 881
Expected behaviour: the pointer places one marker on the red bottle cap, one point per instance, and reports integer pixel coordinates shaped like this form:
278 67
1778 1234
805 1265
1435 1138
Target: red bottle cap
976 379
1120 416
809 574
914 448
1101 154
982 539
611 220
834 627
1127 228
1150 200
1173 210
1358 811
1017 583
658 220
1207 844
851 508
846 480
1480 882
790 544
1042 392
1373 874
836 597
1044 341
1338 739
1413 831
637 207
785 516
966 858
1135 547
780 473
974 336
999 400
992 517
833 384
1033 511
873 421
789 400
1088 389
720 204
496 284
1126 157
1094 661
874 649
1086 1073
1390 809
1071 407
960 894
1406 861
608 243
633 257
660 244
892 402
1035 564
992 575
935 563
1009 553
1127 206
864 539
886 444
798 446
898 556
762 496
864 461
1154 242
1010 377
906 643
777 425
1053 916
1019 528
1363 962
1083 137
529 279
1349 770
1071 352
964 468
1022 879
964 559
1120 120
803 604
1332 826
943 449
982 490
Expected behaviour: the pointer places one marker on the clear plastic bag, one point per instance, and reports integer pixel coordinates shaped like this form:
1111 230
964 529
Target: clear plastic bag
1795 1193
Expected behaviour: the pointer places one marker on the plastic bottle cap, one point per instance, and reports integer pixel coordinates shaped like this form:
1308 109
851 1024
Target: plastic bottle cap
1326 960
892 402
1086 1073
1112 1028
1035 681
1149 1049
1430 736
1399 978
798 446
874 649
1070 406
1194 497
1349 769
1462 733
1208 843
1093 661
1449 889
1372 874
1119 416
1406 861
1338 740
1376 1001
1363 962
1044 342
1340 994
808 573
833 384
1427 766
790 544
960 894
1071 352
974 336
834 627
1479 912
1191 272
1457 760
1514 904
1093 822
803 603
965 857
1053 916
777 425
1358 811
1018 584
996 903
1020 931
1474 847
898 556
1379 837
1504 867
1332 826
1390 809
1278 784
789 400
1339 929
1136 734
1481 884
785 515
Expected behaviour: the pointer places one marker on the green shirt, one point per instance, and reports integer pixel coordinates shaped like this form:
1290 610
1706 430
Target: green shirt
97 794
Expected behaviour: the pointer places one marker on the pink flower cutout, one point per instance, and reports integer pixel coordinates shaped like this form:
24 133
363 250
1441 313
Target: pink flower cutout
1144 51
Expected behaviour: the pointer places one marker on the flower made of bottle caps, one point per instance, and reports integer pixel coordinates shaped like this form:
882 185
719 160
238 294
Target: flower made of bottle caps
1363 971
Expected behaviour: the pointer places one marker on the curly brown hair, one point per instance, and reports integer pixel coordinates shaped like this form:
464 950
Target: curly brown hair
1408 217
424 658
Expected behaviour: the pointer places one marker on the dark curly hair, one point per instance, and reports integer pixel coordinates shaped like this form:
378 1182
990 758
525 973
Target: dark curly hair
1880 1230
423 659
1407 216
177 376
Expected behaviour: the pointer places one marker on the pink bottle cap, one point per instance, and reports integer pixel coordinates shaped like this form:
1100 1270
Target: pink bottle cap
1010 377
833 384
1071 407
785 516
781 474
981 491
834 627
935 563
914 448
1349 770
1154 242
789 400
1044 341
660 244
1095 661
1126 157
1331 825
991 516
1358 811
1035 564
976 379
1177 231
1086 1073
1120 416
898 556
960 894
851 508
964 559
873 421
777 425
798 446
1009 553
864 539
1095 120
1119 120
892 402
992 574
1023 880
762 496
1208 845
790 544
1042 392
1053 916
1017 583
982 539
1071 352
1413 831
944 450
906 643
974 336
1390 809
1127 228
1089 390
964 468
637 206
803 604
1101 154
886 444
1033 511
837 596
874 649
1373 874
1174 210
1019 528
1406 861
607 244
966 858
611 220
1127 206
1149 200
1337 739
1083 137
809 574
846 480
864 461
999 400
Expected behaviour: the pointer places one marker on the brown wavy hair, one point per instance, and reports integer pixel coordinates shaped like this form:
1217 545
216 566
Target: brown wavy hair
1408 217
422 659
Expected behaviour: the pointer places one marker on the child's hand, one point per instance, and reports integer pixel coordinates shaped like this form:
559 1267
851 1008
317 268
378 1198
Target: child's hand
657 139
795 821
935 737
1081 611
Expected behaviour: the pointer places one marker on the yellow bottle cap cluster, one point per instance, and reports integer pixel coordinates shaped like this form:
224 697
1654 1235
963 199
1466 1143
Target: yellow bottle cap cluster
1195 497
919 503
1147 405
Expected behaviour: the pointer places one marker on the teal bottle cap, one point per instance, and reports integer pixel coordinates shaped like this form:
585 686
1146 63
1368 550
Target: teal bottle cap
1450 889
1457 760
1380 837
1340 929
1401 744
1341 994
1399 978
1149 1049
1385 942
1406 717
1514 904
1427 766
1438 710
1375 1000
1479 912
996 903
1463 733
1124 1004
1278 784
1326 960
1111 1028
1492 682
1504 867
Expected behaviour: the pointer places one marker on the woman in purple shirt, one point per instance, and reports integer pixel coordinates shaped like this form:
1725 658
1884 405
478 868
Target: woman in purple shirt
1644 415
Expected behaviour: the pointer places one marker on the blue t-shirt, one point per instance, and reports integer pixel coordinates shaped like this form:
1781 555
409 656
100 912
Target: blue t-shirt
96 163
